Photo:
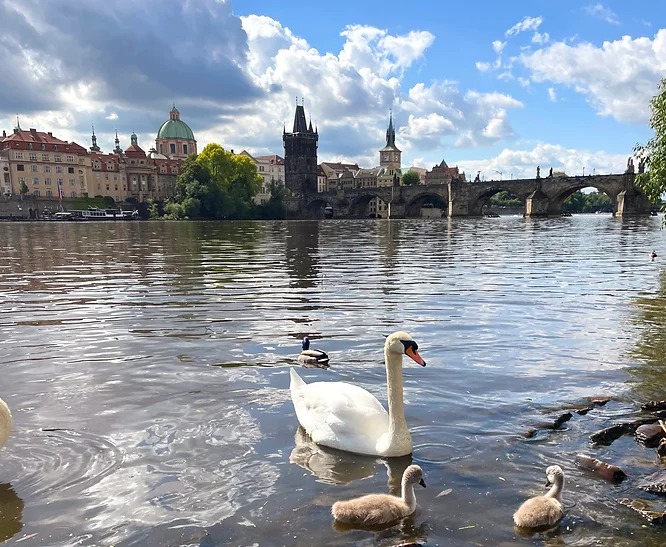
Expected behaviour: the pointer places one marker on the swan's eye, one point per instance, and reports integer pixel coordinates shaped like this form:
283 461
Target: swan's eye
410 344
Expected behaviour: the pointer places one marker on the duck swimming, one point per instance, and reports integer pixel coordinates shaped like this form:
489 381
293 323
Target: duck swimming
5 422
374 509
348 417
314 357
543 510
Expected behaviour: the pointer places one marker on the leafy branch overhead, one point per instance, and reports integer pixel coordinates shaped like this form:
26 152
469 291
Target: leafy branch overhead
653 153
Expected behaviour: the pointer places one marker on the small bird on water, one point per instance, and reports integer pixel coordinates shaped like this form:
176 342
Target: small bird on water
312 357
543 510
653 255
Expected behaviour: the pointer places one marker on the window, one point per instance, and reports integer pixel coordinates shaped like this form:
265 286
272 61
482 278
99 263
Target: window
33 156
261 168
18 155
107 176
58 168
184 149
110 166
161 149
47 169
45 157
72 182
20 167
43 147
58 157
70 169
73 194
107 187
35 180
70 159
59 181
99 186
115 177
30 145
47 180
97 176
134 181
36 192
173 148
33 168
49 193
116 187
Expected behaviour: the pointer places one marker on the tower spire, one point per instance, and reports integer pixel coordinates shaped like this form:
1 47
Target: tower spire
94 147
18 125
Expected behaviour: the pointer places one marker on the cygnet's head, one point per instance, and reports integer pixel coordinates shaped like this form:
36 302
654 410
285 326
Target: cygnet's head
402 343
555 475
413 475
306 343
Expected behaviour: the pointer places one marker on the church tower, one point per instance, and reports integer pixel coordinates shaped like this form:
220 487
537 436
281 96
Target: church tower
300 155
389 156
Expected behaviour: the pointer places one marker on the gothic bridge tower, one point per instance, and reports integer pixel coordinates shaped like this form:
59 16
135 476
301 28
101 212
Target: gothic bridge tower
300 155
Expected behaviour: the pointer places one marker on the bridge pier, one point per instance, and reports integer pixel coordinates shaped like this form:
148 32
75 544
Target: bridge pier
632 203
537 204
397 209
458 198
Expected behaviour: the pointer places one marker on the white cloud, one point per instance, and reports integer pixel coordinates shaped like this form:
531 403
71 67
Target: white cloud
112 116
540 38
527 23
482 67
552 95
602 12
498 46
619 78
523 163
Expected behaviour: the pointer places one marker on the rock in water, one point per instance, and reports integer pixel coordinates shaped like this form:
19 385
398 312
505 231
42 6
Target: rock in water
603 469
650 434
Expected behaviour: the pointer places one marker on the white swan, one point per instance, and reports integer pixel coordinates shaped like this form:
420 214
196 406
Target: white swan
5 422
348 417
543 510
309 357
374 509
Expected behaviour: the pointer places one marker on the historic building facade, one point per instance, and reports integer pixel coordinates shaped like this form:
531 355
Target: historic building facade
43 164
175 139
443 174
300 156
271 169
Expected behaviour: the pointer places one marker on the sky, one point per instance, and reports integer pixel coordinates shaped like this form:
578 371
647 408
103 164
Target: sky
495 87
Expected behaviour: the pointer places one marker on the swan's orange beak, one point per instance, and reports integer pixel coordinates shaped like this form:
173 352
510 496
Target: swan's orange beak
414 355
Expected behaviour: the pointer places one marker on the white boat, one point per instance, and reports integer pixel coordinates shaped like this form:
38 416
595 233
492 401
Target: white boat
94 213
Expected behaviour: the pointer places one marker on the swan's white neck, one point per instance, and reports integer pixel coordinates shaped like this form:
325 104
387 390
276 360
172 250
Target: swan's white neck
556 490
400 441
5 422
408 495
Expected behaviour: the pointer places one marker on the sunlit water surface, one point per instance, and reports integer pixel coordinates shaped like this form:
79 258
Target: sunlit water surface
147 367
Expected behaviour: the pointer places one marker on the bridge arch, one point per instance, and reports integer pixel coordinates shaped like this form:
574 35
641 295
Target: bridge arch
358 207
315 207
416 203
558 198
477 202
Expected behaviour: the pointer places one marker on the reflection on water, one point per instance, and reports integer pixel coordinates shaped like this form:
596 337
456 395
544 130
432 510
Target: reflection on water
147 368
11 512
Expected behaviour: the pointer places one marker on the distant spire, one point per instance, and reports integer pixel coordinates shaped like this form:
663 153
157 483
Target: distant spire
94 147
310 127
117 149
390 132
18 125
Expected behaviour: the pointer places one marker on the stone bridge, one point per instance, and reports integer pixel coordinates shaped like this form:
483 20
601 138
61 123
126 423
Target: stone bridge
542 197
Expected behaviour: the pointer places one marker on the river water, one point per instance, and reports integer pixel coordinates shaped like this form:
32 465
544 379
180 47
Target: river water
147 367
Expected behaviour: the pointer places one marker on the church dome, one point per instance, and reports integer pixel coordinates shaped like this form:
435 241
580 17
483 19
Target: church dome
175 128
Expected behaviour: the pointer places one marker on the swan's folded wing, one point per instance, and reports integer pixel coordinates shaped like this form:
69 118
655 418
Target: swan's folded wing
340 415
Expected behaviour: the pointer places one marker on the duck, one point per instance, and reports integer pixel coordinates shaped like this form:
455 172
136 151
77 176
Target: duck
347 417
312 356
543 510
653 255
5 422
375 509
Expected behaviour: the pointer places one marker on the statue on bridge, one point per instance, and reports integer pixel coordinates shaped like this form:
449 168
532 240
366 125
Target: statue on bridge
538 172
478 177
550 173
630 165
641 165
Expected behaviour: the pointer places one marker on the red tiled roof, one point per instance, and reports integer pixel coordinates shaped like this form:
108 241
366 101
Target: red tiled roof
21 140
135 151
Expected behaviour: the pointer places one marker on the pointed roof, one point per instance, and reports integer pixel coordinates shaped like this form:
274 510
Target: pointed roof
390 137
300 125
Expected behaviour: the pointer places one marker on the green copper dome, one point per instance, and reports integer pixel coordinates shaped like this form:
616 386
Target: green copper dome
175 128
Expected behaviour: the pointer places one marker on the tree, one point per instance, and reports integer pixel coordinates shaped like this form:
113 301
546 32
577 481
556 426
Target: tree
653 154
274 208
411 178
196 194
23 189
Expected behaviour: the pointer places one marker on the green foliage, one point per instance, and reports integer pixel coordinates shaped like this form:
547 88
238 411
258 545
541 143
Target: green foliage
411 178
653 154
274 209
578 202
216 184
504 199
109 202
23 188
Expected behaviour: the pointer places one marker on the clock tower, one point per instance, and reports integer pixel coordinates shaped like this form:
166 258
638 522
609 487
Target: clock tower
389 156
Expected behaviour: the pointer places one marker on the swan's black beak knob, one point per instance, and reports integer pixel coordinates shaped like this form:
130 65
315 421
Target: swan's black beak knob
422 483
